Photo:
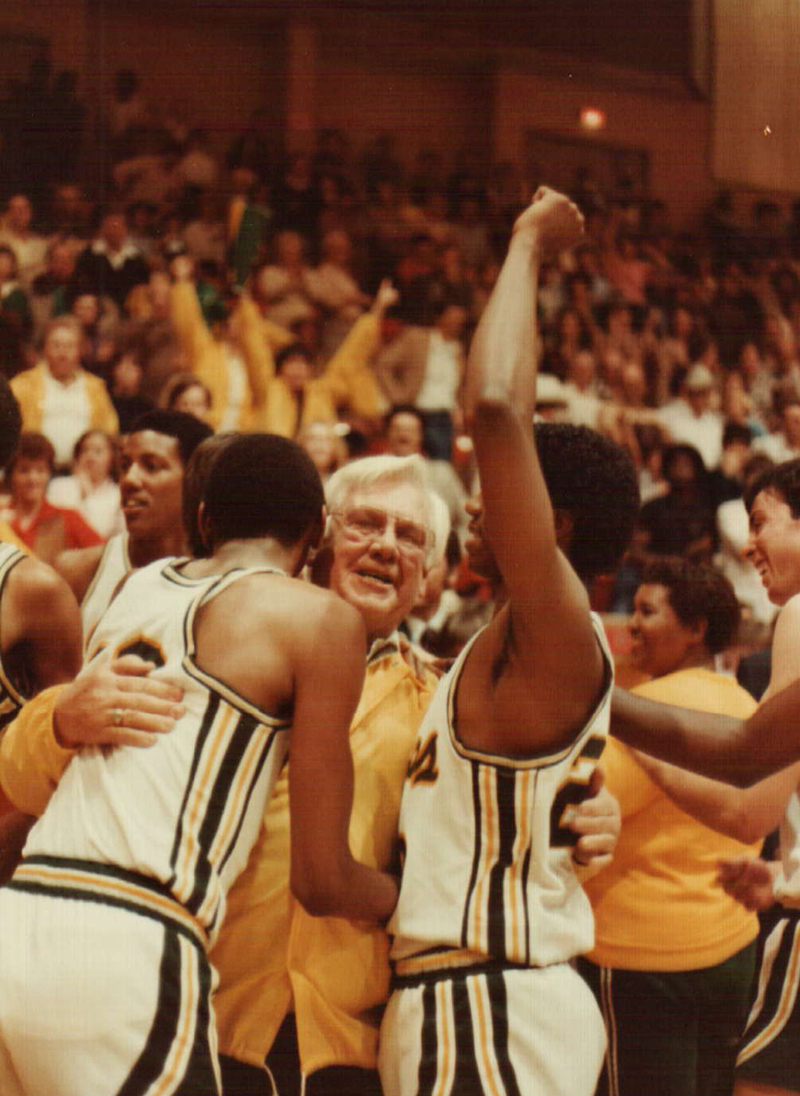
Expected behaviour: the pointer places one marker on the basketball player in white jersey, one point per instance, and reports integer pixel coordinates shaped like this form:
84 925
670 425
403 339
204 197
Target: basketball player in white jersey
105 986
40 632
490 910
154 457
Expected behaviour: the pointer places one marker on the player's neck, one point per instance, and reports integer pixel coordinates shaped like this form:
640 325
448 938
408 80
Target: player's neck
144 550
252 552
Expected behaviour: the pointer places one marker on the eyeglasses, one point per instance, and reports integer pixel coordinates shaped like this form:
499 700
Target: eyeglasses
362 524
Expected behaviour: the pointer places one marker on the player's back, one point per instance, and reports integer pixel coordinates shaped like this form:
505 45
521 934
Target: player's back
185 811
488 871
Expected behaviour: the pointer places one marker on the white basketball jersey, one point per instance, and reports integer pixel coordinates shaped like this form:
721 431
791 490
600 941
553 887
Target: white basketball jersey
113 567
488 873
11 699
187 810
787 886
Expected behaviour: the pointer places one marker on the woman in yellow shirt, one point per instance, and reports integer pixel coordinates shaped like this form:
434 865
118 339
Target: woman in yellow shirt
674 954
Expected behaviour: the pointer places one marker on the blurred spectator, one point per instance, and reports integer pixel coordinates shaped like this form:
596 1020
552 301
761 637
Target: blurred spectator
48 290
99 319
111 265
690 418
324 445
14 304
333 286
784 443
44 528
682 522
126 380
424 367
294 200
27 245
60 399
92 488
183 392
733 315
285 286
403 435
204 236
197 168
471 232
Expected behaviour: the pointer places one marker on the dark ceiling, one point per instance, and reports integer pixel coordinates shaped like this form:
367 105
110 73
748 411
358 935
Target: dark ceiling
648 35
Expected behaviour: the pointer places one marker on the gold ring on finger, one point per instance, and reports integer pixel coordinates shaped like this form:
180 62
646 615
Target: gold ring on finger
116 716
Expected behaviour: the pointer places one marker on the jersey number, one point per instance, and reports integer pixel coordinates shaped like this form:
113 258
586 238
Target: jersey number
573 792
422 768
145 648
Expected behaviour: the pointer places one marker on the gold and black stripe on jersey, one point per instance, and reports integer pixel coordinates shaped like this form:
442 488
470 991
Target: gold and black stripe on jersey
496 917
11 695
232 749
236 742
464 1038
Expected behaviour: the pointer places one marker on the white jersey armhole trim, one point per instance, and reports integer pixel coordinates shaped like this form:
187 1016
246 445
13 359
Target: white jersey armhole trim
535 761
236 700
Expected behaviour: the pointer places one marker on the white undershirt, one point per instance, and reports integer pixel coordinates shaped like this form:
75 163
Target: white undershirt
441 380
66 413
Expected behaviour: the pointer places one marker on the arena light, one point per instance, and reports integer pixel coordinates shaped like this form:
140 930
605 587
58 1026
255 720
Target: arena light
592 118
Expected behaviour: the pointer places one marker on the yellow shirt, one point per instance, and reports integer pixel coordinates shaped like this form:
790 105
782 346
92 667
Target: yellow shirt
658 906
271 955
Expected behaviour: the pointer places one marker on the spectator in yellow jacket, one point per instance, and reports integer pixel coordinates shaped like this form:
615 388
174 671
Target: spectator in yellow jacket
58 398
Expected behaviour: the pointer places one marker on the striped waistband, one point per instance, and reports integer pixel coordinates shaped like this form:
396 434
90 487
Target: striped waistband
91 881
445 963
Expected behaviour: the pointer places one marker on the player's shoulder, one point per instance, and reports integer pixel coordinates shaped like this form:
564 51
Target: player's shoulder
38 593
290 600
77 566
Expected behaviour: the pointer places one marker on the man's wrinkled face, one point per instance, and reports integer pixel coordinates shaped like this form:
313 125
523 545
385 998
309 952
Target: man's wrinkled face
378 543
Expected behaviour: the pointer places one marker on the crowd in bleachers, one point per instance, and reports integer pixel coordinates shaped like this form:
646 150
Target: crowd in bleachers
311 294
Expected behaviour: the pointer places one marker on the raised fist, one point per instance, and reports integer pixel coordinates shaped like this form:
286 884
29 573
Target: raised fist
552 220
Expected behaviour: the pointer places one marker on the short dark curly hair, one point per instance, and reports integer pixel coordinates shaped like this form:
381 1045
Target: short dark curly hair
262 485
593 479
698 592
782 480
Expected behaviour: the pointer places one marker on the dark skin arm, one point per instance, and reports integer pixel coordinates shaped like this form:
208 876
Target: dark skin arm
40 635
298 647
739 752
77 567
